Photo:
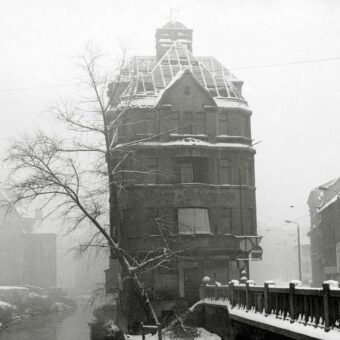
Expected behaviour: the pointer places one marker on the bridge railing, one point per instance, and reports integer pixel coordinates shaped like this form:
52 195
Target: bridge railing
319 307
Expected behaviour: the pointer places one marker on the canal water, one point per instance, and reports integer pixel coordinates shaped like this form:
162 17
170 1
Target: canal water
53 327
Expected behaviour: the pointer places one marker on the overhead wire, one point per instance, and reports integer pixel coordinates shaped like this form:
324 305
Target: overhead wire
306 61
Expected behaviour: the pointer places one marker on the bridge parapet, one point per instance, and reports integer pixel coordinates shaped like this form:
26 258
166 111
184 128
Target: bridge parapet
318 307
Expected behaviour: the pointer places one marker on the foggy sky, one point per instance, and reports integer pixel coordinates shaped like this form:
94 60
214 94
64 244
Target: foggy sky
295 107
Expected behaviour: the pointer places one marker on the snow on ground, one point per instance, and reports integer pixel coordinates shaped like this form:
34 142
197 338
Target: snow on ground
203 334
272 320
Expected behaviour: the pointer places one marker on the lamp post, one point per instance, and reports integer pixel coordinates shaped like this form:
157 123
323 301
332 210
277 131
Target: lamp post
299 246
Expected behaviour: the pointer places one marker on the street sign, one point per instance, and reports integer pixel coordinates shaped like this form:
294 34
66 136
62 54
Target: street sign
246 245
256 253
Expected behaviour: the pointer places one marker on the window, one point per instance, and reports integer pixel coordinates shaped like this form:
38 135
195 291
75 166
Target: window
186 123
248 216
192 123
151 221
187 172
225 226
127 168
186 90
145 123
150 123
194 171
151 168
193 221
132 227
152 227
236 218
200 123
248 173
169 220
122 129
244 126
140 127
223 124
173 122
225 171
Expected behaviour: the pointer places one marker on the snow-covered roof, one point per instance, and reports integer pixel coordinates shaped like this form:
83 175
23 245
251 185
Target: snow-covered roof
174 24
149 78
324 195
331 201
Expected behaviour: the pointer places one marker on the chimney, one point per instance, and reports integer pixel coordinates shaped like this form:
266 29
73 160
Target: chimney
168 34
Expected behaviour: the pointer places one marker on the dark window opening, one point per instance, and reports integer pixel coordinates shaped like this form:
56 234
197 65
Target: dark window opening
223 124
193 170
225 226
200 123
222 92
248 221
151 170
225 171
186 123
140 127
192 123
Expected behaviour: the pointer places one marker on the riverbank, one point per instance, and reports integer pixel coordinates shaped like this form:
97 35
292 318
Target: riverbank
71 325
18 304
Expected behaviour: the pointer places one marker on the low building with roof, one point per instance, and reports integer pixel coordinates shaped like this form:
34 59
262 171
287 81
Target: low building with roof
187 169
27 256
324 208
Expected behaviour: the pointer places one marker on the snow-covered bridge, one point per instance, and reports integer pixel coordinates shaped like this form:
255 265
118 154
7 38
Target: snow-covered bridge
245 311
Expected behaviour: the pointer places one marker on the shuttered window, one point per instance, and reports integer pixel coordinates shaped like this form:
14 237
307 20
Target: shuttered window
193 221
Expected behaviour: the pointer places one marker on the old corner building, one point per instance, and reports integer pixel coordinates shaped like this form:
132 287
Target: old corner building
324 208
190 177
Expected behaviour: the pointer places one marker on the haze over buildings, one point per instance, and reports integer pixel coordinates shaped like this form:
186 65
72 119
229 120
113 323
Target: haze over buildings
297 105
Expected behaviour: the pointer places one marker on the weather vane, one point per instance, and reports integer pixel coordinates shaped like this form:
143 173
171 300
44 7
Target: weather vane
174 13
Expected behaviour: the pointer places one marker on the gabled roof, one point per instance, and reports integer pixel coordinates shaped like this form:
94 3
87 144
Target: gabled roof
214 77
177 79
321 198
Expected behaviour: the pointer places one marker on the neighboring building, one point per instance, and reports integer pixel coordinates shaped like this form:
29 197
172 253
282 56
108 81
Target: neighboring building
190 176
26 257
306 264
40 259
324 207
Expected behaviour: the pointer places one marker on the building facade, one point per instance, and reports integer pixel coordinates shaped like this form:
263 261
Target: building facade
324 207
187 169
26 257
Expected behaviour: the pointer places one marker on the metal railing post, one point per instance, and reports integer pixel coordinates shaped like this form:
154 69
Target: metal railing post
266 299
231 293
143 334
292 308
247 297
326 305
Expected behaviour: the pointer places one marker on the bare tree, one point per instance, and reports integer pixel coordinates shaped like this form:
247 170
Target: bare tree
73 172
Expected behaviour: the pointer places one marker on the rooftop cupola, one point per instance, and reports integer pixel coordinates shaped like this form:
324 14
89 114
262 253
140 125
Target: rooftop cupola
169 33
